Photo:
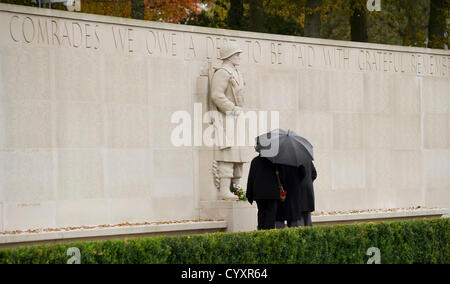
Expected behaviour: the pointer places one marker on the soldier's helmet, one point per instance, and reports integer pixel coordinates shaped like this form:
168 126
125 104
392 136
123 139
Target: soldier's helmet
229 49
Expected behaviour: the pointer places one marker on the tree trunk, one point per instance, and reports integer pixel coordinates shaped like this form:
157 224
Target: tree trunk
312 20
358 22
236 14
137 9
437 24
256 16
410 38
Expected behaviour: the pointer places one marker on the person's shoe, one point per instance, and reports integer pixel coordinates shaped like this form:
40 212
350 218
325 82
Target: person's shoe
279 225
224 191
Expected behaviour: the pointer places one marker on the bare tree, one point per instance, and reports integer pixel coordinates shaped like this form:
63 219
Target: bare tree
437 24
256 16
358 21
312 20
236 14
137 9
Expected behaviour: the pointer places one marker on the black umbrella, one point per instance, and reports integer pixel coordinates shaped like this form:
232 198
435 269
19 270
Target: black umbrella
285 148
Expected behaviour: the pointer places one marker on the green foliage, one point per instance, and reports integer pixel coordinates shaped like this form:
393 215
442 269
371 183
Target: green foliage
19 2
284 17
419 241
116 8
55 6
400 22
238 191
214 16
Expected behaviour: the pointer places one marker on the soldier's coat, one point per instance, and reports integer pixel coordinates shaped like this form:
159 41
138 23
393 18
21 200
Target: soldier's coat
227 92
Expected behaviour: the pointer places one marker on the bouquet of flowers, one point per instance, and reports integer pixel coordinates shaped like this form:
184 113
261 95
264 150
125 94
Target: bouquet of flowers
238 191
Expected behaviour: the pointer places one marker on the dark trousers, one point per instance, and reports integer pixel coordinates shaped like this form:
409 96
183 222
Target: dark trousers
304 221
267 213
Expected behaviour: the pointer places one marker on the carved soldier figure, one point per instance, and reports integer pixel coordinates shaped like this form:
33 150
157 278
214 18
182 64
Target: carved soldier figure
227 96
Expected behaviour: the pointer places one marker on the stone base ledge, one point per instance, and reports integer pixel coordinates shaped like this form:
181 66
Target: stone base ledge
98 234
353 218
239 215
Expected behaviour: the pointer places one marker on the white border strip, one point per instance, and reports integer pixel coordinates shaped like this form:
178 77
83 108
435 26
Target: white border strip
110 232
379 215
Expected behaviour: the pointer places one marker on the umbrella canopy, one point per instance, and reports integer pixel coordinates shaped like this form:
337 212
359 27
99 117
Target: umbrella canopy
285 148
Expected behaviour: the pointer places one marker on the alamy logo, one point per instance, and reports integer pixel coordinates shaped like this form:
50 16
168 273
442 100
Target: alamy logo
224 130
375 255
75 255
374 5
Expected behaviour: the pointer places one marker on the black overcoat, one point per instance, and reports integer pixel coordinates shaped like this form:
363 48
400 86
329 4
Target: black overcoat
262 181
300 192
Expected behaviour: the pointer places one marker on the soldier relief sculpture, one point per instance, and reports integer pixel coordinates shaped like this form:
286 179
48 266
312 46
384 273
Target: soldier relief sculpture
227 101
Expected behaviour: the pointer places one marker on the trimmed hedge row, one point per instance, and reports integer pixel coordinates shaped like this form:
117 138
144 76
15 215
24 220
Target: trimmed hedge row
418 241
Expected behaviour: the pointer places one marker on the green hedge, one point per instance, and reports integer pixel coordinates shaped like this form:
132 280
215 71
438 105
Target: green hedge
419 241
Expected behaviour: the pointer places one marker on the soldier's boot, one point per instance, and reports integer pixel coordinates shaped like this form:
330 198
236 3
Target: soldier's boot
224 190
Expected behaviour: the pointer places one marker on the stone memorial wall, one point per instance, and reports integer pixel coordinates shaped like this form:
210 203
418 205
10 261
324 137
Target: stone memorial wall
86 105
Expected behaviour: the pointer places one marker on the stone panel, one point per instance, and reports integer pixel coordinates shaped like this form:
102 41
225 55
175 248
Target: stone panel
437 131
347 92
79 125
131 210
79 76
347 131
25 125
408 170
314 90
25 74
406 91
278 90
19 179
208 191
380 177
352 199
252 77
25 216
173 177
161 127
168 84
407 132
174 208
129 84
1 216
378 94
436 95
80 174
436 169
83 212
378 131
288 121
379 170
317 127
349 170
127 126
127 173
323 163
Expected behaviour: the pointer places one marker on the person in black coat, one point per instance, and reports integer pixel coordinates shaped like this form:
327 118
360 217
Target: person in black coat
262 187
299 204
290 210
